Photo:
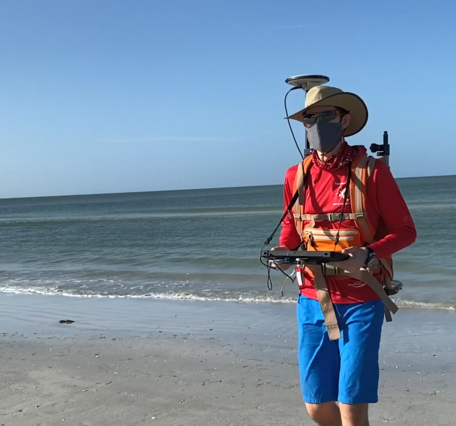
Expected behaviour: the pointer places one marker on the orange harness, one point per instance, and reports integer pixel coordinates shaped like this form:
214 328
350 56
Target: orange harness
359 234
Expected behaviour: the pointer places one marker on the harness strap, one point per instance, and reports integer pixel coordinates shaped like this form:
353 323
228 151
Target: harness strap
326 304
300 184
359 194
366 277
331 217
387 267
370 166
324 298
388 316
300 201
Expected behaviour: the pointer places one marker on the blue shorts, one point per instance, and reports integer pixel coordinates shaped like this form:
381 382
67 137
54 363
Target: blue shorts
344 370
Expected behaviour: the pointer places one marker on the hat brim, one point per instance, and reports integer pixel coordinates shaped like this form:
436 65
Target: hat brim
346 100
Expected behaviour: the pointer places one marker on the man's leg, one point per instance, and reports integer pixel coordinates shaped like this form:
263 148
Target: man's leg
354 415
318 364
361 327
327 414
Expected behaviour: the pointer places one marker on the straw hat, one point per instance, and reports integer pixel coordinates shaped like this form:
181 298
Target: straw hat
332 96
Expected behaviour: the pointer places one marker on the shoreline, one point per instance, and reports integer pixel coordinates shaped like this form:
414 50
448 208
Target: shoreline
289 298
143 361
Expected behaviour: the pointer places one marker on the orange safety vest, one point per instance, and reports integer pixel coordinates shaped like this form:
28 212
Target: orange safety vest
316 238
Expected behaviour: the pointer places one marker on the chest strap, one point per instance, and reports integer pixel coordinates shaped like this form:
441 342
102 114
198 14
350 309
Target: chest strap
331 217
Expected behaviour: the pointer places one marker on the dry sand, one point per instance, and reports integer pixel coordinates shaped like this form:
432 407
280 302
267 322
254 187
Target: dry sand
134 362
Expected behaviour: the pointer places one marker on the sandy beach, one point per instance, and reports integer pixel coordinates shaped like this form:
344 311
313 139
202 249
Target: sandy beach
161 362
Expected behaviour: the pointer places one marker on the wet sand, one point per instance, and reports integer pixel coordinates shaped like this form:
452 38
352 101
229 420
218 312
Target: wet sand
134 362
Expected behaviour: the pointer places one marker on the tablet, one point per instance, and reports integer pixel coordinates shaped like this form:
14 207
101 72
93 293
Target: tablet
301 256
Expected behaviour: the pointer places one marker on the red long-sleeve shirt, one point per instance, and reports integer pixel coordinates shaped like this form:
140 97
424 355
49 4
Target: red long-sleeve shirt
325 195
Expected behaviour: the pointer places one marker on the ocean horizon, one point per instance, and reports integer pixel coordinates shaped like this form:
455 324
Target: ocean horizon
190 189
196 244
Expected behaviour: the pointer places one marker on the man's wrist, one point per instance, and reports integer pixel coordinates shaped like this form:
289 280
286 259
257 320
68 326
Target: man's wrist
370 256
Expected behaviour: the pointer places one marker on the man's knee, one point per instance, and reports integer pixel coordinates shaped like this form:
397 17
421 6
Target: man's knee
324 414
354 415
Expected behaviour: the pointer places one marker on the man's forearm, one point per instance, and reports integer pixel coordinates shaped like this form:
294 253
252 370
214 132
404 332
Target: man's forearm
395 241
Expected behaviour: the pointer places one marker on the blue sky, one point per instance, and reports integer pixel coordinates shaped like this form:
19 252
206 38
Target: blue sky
100 96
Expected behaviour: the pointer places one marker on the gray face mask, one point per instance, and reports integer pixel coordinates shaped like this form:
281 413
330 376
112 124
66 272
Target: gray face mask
324 136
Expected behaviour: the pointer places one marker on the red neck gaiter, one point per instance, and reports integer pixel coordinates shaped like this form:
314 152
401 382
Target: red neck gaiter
345 155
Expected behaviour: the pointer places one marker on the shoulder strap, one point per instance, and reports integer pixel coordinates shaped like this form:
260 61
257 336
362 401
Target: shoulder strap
370 166
300 188
301 174
358 190
358 193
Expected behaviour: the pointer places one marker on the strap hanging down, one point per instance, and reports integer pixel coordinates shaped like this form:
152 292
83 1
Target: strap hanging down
326 304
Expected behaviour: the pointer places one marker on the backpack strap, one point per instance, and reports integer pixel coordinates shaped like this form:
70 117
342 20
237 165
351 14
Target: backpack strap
299 185
358 196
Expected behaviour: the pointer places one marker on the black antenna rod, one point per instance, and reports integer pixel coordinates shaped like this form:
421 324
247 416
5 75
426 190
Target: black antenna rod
383 150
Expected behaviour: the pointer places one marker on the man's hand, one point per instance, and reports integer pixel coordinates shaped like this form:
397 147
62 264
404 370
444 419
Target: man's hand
277 265
358 256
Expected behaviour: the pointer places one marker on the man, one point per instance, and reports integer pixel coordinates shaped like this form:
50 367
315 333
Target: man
339 337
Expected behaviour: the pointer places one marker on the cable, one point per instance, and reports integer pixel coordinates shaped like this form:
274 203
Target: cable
293 200
288 120
295 196
268 266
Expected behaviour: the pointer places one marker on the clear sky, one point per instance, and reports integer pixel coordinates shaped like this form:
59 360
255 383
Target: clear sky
100 96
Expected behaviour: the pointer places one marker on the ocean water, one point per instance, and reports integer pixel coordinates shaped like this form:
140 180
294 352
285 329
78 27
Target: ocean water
197 244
